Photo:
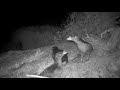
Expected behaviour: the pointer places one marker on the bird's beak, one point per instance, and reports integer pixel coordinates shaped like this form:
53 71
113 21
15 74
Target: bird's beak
64 52
69 38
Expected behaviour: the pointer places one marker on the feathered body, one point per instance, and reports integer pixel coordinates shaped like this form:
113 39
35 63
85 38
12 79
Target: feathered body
84 47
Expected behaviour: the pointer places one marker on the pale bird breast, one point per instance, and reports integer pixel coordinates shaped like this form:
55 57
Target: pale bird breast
83 47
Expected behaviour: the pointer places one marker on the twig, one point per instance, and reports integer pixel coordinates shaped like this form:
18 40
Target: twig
35 76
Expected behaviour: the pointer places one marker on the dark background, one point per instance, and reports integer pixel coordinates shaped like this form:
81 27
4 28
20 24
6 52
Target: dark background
14 19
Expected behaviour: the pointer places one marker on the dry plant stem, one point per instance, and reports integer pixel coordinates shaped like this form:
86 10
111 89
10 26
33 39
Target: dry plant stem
35 76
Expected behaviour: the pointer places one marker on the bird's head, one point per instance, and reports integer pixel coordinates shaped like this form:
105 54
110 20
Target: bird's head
75 38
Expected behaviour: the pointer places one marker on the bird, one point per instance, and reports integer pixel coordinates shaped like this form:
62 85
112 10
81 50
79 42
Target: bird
84 47
62 58
59 57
